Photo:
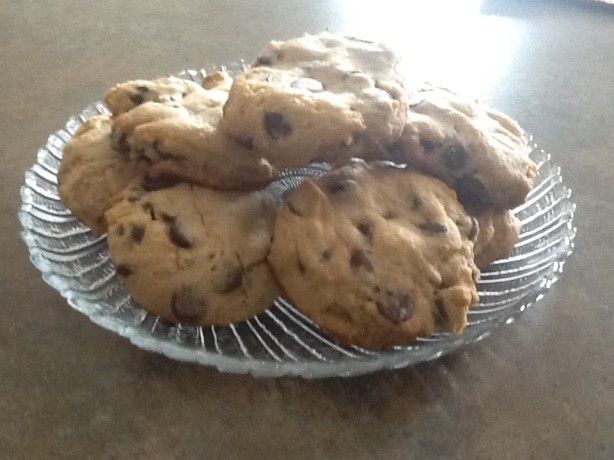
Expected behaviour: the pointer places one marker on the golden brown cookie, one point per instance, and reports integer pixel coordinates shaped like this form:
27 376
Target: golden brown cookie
362 71
376 256
479 152
317 97
179 139
194 255
91 173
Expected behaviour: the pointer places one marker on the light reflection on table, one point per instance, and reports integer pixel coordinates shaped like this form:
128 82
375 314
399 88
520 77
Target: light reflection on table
446 42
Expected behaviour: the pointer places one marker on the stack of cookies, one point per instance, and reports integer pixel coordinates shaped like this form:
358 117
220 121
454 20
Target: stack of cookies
383 248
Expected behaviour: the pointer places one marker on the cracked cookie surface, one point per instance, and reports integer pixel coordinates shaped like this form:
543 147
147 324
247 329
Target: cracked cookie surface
479 152
375 255
194 255
178 138
91 173
317 95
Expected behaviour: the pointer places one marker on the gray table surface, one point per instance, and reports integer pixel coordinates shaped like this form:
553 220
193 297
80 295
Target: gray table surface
542 387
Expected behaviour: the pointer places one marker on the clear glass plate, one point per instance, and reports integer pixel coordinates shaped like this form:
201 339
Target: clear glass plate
280 341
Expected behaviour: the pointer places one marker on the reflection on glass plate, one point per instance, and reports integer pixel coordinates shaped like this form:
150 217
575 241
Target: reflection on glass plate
281 340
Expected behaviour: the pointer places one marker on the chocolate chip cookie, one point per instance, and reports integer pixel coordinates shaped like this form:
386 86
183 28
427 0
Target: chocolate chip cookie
479 152
194 255
91 173
180 141
316 97
375 255
498 234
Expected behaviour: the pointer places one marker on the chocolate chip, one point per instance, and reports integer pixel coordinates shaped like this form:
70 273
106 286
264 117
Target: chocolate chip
366 228
276 125
137 233
416 203
119 142
233 281
427 145
397 308
120 230
473 231
335 187
186 305
396 152
101 221
359 259
433 228
167 217
327 254
471 191
455 157
301 267
137 98
177 235
139 95
148 207
123 270
263 61
388 215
